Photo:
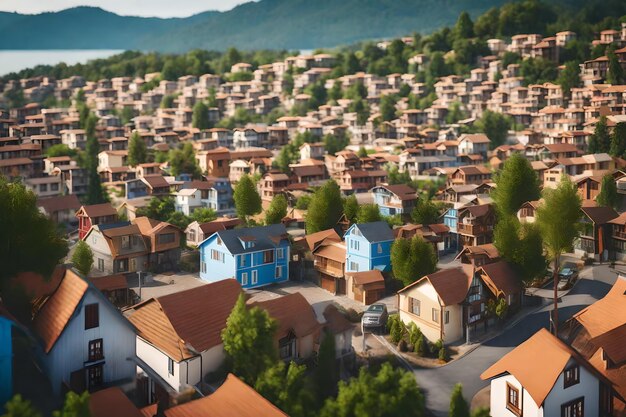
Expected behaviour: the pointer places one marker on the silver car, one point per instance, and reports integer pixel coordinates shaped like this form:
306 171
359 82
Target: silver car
375 317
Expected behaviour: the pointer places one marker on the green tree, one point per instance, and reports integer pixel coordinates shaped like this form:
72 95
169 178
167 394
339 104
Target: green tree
247 198
20 407
481 412
82 258
455 113
608 196
179 220
388 107
203 215
29 241
615 74
464 28
618 140
326 375
60 150
249 330
95 192
411 259
137 150
325 208
600 140
368 213
183 161
558 218
335 143
277 210
390 392
75 405
167 102
362 153
458 405
425 212
158 209
351 208
495 126
303 202
200 117
127 114
516 183
285 386
569 77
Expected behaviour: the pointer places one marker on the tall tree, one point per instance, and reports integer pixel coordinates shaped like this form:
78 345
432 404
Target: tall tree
558 218
158 209
325 208
569 77
137 150
458 405
200 116
249 341
521 246
368 213
388 107
615 75
183 161
285 386
411 259
82 258
277 210
95 192
247 198
351 208
464 28
390 392
516 183
326 375
608 196
600 141
618 140
495 126
425 212
203 215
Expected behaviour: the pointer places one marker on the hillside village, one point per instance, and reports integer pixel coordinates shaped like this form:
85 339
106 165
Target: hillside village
289 185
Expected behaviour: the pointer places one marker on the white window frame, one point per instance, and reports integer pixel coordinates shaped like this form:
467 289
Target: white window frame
279 272
244 278
255 277
280 253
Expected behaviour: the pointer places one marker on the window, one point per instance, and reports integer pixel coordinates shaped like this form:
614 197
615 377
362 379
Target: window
571 376
244 278
279 272
255 277
574 408
125 242
286 346
95 350
280 253
512 399
242 260
380 249
43 187
268 256
100 264
435 315
219 241
166 238
94 376
122 265
54 187
446 317
170 366
217 255
203 267
414 306
92 316
354 267
191 236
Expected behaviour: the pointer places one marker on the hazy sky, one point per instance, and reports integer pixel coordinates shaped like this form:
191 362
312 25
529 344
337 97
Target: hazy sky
161 8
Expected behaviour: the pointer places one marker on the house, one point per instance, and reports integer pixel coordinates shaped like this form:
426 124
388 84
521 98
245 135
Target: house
85 342
618 237
117 248
254 256
368 247
366 287
545 377
528 211
476 143
338 325
330 261
446 303
298 329
115 289
7 322
93 215
151 185
272 184
179 338
475 225
438 235
312 151
197 232
595 235
60 209
394 199
470 174
232 398
479 255
163 243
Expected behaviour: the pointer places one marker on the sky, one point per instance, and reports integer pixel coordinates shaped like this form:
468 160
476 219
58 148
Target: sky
160 8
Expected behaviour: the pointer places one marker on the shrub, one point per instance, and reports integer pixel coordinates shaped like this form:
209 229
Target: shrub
414 333
443 354
397 331
420 346
402 346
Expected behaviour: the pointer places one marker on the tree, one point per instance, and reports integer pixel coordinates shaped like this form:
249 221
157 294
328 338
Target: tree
569 77
608 196
285 387
335 143
325 208
351 208
464 28
249 330
179 220
425 212
137 150
618 140
558 218
326 375
495 126
516 183
200 117
82 258
277 210
19 407
167 102
362 153
615 75
95 192
247 198
458 405
481 412
600 141
29 241
183 161
390 392
412 259
158 209
388 107
60 150
75 405
303 202
368 213
203 215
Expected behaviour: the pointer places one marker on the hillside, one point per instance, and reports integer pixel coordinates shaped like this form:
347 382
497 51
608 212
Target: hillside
275 24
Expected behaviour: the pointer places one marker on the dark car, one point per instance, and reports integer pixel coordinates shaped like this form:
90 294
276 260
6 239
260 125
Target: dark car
567 274
375 317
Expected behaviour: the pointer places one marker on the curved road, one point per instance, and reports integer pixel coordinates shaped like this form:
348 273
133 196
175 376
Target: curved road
437 383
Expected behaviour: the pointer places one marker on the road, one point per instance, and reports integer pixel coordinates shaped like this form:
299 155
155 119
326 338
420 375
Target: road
437 383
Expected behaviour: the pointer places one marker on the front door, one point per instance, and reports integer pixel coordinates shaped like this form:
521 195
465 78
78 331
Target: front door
133 265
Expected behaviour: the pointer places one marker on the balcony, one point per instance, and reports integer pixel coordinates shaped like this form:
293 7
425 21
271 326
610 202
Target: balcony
329 267
473 229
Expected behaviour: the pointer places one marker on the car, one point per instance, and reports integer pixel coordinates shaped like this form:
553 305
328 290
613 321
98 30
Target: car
567 275
375 317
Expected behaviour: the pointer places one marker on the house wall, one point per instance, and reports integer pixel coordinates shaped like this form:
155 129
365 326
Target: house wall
367 255
216 270
71 351
499 398
588 387
6 360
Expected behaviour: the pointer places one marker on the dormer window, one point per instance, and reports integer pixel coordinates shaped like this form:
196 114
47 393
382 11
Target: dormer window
571 376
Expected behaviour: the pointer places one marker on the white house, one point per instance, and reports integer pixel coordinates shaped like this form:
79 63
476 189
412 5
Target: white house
187 200
179 336
73 138
475 143
545 377
245 138
86 342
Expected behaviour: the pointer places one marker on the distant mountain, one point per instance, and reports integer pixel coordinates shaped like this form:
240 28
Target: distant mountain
267 24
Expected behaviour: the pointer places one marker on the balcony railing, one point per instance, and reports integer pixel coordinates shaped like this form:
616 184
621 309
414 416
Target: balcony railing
327 268
473 229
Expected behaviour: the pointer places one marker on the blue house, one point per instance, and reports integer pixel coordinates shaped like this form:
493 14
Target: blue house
394 199
6 355
368 247
450 219
254 256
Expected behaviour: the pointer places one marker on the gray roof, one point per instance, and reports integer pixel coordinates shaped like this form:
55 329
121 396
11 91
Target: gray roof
376 231
262 237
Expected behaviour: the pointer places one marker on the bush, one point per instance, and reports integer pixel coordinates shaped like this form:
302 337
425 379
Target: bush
420 346
397 331
414 333
402 346
443 354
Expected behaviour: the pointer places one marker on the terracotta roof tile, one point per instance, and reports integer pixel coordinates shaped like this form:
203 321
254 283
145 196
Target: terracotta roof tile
292 313
501 278
112 402
98 210
109 282
450 284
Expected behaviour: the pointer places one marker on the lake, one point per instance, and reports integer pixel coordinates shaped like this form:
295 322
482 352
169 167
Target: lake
12 61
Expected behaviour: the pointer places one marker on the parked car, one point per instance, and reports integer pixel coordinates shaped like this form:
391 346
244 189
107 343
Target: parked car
375 316
567 274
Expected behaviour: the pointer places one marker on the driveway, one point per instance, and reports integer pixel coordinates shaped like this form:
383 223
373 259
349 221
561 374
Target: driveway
437 383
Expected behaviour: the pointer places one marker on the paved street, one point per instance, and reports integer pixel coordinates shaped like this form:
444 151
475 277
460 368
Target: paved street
437 383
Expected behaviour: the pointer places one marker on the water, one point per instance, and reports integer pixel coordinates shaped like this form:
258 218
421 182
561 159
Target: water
12 61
